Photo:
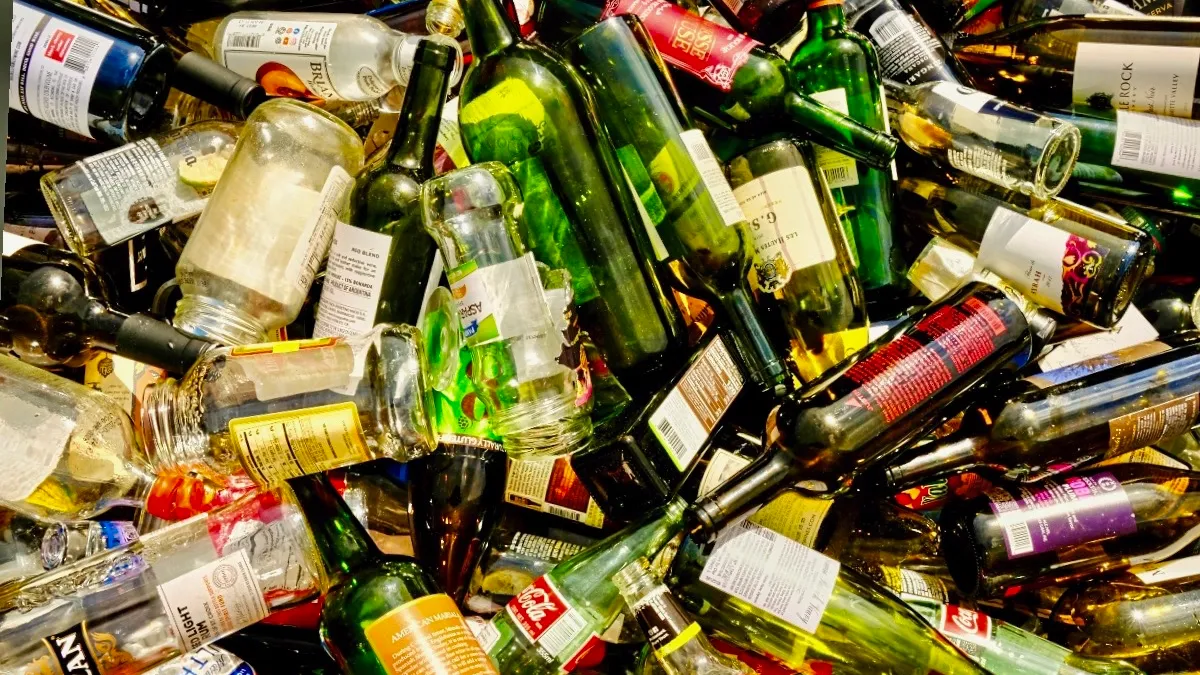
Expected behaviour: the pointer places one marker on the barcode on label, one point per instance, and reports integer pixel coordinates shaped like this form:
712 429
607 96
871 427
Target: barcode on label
1019 540
674 441
837 174
1131 146
82 50
569 514
244 41
886 31
558 638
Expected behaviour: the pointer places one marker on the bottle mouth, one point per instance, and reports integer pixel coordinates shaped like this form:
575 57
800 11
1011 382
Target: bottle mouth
961 553
543 428
1057 162
158 425
218 321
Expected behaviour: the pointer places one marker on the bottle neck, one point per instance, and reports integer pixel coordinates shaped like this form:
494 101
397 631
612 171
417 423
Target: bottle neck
488 29
753 485
955 452
343 542
420 116
824 15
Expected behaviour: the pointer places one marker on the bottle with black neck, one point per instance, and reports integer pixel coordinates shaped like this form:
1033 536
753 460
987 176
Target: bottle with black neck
380 262
909 51
383 615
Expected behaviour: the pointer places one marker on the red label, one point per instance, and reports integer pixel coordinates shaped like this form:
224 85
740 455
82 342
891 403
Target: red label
59 45
709 51
1080 264
589 655
958 622
536 608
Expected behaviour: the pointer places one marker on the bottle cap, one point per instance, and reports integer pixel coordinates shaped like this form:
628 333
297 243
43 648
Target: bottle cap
211 82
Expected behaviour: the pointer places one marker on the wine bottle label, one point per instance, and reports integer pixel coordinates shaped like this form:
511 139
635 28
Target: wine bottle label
208 660
967 98
450 136
1136 78
54 67
908 52
278 446
667 628
914 585
314 239
79 651
1096 364
1153 424
546 619
281 369
713 176
551 486
494 302
795 516
214 600
1054 515
1160 144
358 262
1146 456
721 467
840 170
1132 338
788 226
1053 267
699 47
686 417
772 572
1170 571
427 636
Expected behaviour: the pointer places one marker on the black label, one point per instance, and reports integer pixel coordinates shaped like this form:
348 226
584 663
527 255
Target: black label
661 619
72 651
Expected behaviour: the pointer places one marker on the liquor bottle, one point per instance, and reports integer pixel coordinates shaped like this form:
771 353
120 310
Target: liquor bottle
555 622
1094 521
445 17
1032 10
909 51
86 72
208 660
379 262
314 56
731 79
984 136
697 229
838 67
1135 64
287 409
173 12
1103 407
802 274
675 639
877 401
109 198
764 592
29 547
383 614
197 75
258 244
1088 271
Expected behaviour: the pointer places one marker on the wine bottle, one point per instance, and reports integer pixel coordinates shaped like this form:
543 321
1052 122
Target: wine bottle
697 236
909 51
1134 398
1135 64
732 79
986 137
1032 10
199 76
1088 271
383 615
864 411
86 72
1090 522
380 262
802 275
838 67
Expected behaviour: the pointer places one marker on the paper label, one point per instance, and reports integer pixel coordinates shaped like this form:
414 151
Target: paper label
1146 456
1132 338
1152 425
1165 145
908 52
486 298
545 617
314 239
914 584
358 261
450 136
427 636
278 446
795 516
713 176
551 486
721 467
75 651
787 224
964 96
1053 515
53 68
960 623
683 421
840 170
282 369
1164 572
213 601
32 441
772 572
1136 78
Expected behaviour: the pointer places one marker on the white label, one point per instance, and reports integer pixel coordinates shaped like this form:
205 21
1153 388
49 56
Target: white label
298 48
487 634
1165 145
964 96
787 224
450 136
15 242
772 572
840 170
551 486
1027 253
1176 569
53 68
1132 329
500 301
713 176
314 238
279 375
721 468
32 442
1137 78
686 417
1114 7
358 261
213 601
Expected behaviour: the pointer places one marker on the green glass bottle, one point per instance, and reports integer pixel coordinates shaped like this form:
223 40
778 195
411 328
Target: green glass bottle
379 263
838 67
383 615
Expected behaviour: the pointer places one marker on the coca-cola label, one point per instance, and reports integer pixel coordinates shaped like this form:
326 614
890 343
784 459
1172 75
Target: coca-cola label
959 623
537 608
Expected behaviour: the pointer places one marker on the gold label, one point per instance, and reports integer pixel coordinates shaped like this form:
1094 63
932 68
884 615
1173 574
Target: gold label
1151 425
795 516
427 636
278 446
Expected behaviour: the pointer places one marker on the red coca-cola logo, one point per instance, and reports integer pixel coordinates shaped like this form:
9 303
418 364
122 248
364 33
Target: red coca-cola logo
958 622
536 608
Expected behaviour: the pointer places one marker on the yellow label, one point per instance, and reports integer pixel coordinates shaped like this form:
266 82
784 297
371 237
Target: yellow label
510 97
795 516
427 636
282 347
278 446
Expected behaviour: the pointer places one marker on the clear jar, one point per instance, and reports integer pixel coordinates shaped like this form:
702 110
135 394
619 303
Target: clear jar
258 245
287 409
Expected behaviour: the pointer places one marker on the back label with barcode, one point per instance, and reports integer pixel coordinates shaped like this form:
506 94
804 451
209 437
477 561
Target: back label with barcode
840 170
1166 145
1056 514
685 419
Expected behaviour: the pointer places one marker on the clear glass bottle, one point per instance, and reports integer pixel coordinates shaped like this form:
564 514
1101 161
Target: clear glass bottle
254 252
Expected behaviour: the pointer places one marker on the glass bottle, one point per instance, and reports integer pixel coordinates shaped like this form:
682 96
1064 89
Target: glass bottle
29 547
199 76
537 403
838 67
1031 10
173 12
1064 61
287 409
379 262
910 52
254 252
85 71
676 640
984 136
1088 271
767 21
803 277
383 615
445 17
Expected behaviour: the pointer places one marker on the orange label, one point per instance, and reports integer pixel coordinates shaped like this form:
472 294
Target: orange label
282 347
427 636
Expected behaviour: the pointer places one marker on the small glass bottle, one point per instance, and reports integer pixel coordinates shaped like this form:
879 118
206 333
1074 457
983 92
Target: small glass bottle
444 17
537 404
258 245
287 409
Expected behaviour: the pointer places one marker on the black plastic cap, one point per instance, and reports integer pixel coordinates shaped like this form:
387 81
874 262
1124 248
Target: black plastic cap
211 82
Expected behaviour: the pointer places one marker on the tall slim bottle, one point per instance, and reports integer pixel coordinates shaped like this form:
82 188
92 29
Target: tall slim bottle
910 52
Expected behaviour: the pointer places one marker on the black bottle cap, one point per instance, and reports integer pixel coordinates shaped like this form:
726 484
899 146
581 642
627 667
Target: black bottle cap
158 343
211 82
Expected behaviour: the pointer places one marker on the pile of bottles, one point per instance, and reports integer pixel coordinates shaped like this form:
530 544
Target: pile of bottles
499 337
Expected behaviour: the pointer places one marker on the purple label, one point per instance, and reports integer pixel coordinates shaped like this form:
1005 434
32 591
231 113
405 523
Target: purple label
1056 514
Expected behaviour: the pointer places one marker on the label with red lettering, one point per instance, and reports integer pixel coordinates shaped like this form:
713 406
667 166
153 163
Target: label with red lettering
542 614
1056 514
960 623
